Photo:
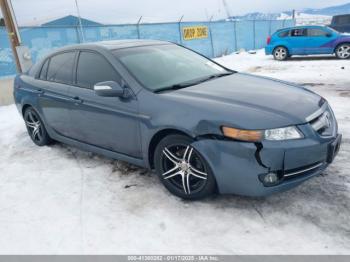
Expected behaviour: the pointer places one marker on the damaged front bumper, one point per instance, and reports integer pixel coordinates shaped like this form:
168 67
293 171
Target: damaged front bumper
239 167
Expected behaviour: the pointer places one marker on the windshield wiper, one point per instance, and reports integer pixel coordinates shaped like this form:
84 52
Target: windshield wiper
192 83
174 87
216 76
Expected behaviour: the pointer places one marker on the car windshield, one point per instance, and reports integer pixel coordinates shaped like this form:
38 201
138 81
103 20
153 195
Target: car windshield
168 66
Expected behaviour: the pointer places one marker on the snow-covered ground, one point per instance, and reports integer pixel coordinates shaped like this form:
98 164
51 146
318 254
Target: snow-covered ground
61 200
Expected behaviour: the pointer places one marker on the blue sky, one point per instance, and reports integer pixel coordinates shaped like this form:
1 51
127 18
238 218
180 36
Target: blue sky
126 11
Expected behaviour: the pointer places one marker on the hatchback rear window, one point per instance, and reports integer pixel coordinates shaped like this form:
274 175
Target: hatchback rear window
284 34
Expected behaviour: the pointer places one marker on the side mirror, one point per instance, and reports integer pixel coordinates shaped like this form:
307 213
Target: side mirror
109 89
329 34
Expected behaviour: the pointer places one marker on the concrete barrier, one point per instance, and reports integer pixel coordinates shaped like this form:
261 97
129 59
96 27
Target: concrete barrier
6 88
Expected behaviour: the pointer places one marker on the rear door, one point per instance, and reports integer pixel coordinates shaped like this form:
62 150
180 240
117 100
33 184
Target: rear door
297 41
55 78
108 122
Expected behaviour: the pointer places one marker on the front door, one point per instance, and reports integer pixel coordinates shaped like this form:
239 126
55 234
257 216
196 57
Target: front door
107 122
319 41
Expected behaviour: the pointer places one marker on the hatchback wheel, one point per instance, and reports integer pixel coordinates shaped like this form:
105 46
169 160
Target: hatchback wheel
280 53
182 169
343 51
36 128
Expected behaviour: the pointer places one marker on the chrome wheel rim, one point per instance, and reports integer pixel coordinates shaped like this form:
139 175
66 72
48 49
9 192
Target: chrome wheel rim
280 53
184 169
343 51
34 126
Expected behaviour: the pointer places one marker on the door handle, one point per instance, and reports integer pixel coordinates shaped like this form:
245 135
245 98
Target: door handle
77 100
40 91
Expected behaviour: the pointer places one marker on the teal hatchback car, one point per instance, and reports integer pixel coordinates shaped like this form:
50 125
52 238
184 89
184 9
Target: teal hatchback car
308 40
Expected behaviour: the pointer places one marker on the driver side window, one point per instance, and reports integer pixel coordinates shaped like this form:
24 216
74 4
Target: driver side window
314 32
94 68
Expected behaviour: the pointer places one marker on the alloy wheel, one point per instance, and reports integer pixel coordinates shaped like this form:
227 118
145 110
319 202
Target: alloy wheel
34 126
184 168
343 51
280 53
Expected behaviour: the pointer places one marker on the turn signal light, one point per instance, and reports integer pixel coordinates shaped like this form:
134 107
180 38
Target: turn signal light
243 135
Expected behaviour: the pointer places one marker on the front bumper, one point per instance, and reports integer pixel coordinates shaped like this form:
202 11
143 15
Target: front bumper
237 165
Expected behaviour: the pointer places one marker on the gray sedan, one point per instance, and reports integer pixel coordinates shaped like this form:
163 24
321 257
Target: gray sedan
202 127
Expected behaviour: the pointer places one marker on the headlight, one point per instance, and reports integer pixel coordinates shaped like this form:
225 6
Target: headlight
277 134
285 133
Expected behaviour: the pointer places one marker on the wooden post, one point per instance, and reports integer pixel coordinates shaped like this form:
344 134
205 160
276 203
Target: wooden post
12 29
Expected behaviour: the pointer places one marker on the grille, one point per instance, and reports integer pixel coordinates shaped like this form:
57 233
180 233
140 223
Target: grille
324 124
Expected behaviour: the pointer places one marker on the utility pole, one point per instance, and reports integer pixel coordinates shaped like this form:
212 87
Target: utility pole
12 29
79 20
227 9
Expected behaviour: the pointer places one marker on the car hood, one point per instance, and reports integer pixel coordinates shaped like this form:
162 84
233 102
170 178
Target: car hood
247 101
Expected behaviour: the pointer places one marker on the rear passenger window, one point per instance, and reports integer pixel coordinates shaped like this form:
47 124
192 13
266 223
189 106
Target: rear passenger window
316 32
61 68
94 68
298 32
43 72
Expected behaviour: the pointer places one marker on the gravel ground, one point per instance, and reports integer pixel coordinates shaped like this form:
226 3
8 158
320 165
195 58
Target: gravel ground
60 200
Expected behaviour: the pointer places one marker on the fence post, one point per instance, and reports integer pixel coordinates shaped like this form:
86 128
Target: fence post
235 33
79 21
138 27
180 33
254 37
211 38
283 24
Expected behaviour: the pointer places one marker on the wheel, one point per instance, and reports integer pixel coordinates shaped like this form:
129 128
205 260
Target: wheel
36 128
280 53
343 51
182 169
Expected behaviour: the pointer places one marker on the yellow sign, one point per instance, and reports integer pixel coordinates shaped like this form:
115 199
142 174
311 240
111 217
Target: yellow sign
194 32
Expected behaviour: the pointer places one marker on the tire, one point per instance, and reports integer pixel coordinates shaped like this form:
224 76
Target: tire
182 169
280 53
35 127
343 51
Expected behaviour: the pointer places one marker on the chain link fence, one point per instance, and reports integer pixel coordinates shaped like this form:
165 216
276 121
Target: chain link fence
223 37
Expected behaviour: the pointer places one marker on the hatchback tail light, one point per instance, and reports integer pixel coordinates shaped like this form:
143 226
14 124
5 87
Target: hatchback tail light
268 40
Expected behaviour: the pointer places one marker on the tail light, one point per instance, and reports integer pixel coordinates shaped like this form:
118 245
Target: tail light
268 41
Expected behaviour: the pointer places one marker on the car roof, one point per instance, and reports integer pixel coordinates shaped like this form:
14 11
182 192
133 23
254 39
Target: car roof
99 46
343 15
301 27
114 44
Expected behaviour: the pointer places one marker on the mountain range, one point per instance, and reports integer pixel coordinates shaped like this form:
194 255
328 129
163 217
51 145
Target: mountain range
327 11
